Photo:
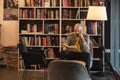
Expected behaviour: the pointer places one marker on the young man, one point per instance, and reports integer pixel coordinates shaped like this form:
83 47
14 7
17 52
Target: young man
77 46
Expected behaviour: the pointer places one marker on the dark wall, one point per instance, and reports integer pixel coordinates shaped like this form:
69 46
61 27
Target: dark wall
107 25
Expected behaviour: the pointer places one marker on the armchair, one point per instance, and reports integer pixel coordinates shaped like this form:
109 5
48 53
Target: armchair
31 58
67 70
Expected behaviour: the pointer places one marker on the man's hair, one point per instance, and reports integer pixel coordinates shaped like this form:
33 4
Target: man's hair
77 25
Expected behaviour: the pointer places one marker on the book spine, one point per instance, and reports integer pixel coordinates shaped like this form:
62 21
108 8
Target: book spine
56 28
44 41
65 3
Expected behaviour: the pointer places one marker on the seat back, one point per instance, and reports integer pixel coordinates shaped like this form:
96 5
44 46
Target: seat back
67 70
22 48
33 57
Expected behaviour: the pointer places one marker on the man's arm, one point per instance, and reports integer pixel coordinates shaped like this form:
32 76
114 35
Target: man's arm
85 43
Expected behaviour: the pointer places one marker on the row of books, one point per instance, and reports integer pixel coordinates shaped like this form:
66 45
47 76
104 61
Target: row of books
27 13
81 3
75 3
40 41
93 27
42 3
31 28
96 2
68 13
51 28
39 13
52 41
28 41
69 27
36 28
89 27
76 14
65 3
47 13
49 41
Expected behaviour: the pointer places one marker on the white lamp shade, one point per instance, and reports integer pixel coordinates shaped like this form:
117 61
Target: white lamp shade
97 13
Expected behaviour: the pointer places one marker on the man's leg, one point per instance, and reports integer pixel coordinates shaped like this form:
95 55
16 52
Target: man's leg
77 56
65 55
82 57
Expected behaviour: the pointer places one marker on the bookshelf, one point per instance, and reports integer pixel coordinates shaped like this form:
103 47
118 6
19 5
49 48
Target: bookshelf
45 24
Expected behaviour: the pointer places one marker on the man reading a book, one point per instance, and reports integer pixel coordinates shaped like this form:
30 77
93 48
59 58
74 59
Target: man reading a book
77 46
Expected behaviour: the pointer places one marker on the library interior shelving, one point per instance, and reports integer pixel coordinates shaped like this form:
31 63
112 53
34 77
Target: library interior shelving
45 24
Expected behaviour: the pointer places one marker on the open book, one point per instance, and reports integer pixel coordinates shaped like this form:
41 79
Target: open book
69 48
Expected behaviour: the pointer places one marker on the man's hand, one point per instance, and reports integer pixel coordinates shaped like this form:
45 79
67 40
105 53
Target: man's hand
65 45
81 36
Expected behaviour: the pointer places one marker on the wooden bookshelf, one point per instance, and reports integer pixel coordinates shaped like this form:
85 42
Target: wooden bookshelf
44 24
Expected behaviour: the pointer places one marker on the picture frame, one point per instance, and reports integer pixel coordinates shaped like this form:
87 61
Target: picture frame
10 10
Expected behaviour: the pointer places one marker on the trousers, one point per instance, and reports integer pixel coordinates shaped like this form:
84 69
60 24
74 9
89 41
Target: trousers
84 56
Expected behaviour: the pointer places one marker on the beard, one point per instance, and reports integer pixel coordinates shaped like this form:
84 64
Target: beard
77 34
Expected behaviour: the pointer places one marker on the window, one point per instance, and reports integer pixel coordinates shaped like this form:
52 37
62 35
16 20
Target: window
115 34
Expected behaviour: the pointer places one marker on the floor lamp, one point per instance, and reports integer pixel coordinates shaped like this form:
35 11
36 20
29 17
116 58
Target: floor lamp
98 13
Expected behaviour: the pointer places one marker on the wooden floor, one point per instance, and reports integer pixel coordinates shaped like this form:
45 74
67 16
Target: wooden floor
6 74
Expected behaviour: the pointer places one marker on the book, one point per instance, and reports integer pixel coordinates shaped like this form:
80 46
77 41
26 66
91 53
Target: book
26 41
65 3
94 42
34 28
69 48
47 3
28 28
94 27
50 53
65 13
32 41
51 28
22 3
42 13
31 27
56 28
24 31
44 41
36 2
56 14
38 41
48 41
55 41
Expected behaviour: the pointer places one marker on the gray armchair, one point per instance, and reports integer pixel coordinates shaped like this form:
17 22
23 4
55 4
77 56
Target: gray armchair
67 70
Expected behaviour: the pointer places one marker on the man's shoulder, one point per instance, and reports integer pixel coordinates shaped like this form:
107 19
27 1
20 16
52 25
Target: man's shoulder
71 34
86 35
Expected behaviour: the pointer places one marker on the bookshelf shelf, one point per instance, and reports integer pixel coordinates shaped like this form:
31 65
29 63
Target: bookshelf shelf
44 26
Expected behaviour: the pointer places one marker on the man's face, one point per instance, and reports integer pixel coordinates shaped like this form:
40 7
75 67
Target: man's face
78 30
